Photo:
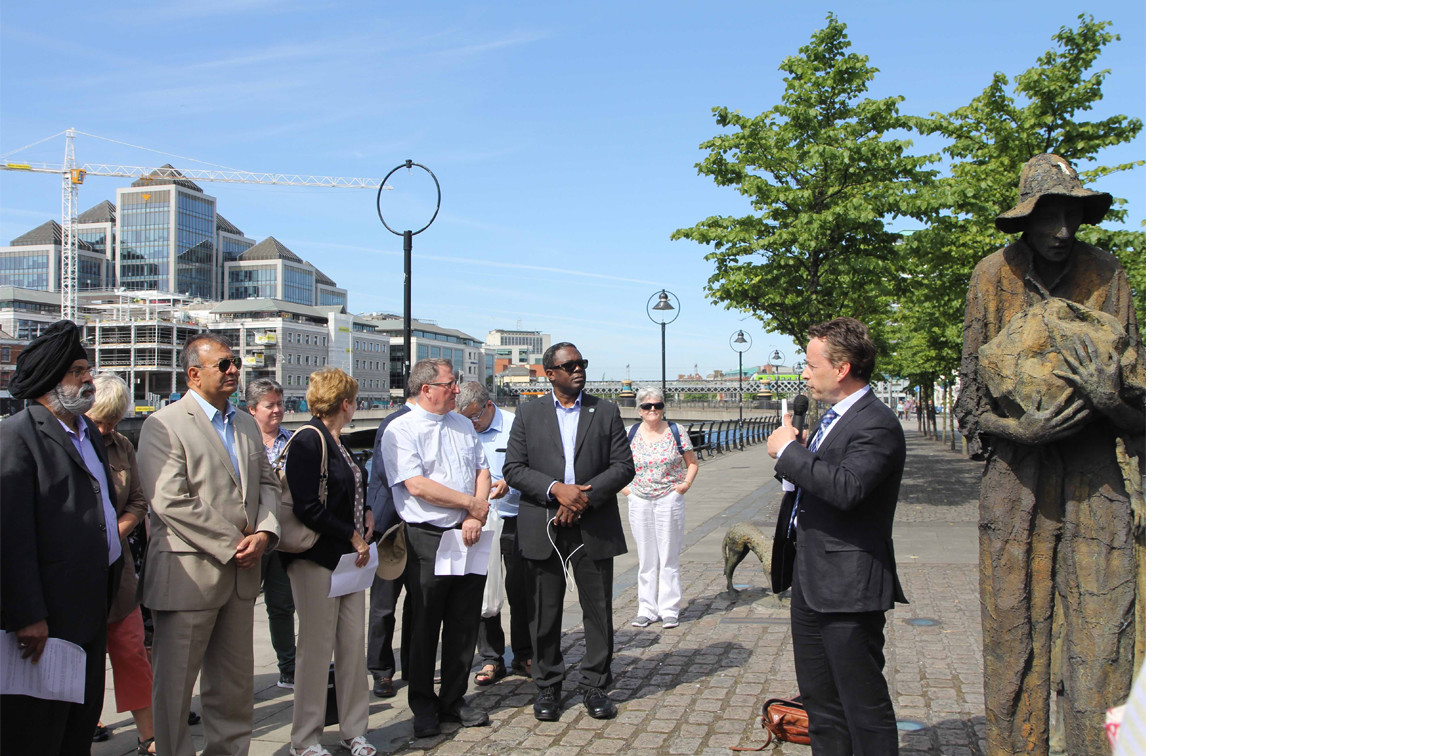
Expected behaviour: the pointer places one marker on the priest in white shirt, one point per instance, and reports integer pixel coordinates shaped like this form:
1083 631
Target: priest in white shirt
440 482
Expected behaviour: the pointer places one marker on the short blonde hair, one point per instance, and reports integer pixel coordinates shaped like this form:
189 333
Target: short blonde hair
328 389
112 398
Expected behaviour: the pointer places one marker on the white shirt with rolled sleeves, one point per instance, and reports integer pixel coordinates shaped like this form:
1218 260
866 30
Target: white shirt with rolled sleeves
443 448
493 440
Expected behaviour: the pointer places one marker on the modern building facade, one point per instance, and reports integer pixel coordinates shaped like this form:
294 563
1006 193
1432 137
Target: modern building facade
465 352
33 260
519 347
269 270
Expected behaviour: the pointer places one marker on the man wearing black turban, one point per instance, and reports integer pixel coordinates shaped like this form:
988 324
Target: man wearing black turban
59 544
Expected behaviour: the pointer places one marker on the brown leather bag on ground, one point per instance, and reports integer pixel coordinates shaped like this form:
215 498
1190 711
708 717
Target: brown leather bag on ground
785 720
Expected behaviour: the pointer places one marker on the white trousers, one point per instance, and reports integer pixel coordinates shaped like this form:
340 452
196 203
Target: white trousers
658 526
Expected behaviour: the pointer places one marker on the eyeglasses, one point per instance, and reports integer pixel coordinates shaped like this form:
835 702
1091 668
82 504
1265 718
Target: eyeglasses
653 406
571 366
81 372
224 365
450 384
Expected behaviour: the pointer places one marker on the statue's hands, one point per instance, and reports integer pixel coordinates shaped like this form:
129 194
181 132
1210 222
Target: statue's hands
1059 420
1095 373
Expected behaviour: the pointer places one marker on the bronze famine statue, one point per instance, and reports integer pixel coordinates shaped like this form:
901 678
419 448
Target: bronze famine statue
1053 399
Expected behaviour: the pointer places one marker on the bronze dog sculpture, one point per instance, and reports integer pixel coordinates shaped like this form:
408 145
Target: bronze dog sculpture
741 539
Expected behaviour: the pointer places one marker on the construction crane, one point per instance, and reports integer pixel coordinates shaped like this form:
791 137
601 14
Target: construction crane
73 175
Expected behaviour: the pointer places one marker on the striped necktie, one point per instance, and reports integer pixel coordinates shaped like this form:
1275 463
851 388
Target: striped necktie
825 421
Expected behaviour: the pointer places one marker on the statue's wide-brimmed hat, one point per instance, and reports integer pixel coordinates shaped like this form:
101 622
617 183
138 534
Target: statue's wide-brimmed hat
1051 176
392 553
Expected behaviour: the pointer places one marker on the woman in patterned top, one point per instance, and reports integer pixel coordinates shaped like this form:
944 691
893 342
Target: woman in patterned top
329 627
665 468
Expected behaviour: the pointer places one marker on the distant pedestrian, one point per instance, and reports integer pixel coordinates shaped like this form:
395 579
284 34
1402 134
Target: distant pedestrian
493 425
125 633
60 551
665 468
266 401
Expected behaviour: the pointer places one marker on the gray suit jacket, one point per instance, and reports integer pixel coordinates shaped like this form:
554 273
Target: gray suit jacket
535 458
199 507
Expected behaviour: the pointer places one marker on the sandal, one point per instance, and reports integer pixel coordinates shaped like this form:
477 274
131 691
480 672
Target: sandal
523 669
315 749
147 746
359 746
489 674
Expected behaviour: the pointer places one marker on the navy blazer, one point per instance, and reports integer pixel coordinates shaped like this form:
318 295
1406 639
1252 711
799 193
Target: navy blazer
53 548
379 495
844 553
333 518
535 458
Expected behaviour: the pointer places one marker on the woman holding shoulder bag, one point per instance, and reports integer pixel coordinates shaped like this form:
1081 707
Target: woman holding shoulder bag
334 507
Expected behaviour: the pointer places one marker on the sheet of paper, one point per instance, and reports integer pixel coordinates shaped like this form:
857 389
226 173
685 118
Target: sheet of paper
347 578
453 557
60 675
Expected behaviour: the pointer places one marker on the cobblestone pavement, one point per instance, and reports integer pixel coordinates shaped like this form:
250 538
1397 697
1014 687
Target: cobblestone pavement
697 688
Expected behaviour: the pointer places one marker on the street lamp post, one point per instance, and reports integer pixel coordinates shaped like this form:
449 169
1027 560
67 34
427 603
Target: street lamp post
740 342
668 312
407 234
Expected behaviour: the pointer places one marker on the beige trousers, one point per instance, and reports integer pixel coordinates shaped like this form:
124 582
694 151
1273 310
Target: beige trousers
329 628
220 641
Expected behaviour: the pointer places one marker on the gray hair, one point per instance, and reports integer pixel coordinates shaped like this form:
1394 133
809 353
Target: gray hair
425 371
649 394
260 388
112 398
191 356
473 392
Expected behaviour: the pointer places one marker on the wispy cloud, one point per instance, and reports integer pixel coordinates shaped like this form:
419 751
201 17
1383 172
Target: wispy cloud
481 262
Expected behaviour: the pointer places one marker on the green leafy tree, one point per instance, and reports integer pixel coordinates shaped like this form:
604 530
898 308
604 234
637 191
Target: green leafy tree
991 138
822 178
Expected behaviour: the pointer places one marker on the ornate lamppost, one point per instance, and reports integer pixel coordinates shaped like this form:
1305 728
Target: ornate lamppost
740 342
664 312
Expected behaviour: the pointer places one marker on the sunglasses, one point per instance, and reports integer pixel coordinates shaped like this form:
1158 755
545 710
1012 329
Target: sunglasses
225 364
653 406
571 366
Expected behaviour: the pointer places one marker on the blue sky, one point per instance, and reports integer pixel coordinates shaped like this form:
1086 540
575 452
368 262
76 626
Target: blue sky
564 138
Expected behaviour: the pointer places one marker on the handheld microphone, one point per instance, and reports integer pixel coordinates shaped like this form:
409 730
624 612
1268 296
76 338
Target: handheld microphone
798 407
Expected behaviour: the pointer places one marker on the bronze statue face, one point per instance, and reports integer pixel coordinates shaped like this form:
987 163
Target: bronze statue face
1050 228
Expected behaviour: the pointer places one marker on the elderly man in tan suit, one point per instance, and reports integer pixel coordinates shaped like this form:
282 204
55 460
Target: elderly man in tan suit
212 515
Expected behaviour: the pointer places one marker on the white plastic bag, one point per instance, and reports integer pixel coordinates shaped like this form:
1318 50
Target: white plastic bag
495 572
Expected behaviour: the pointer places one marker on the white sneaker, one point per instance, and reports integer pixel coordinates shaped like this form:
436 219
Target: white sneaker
642 621
671 622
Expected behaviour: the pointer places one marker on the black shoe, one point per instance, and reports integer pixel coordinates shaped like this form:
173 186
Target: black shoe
384 687
426 729
194 718
599 705
470 715
547 704
102 734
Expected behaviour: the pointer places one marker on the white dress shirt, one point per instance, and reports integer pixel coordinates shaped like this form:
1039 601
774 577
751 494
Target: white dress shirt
443 448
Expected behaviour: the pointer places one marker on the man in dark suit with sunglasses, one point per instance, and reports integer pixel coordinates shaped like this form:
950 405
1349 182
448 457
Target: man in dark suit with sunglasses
569 456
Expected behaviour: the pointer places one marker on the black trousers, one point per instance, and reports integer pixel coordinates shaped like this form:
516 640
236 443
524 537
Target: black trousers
446 617
379 651
840 667
517 594
595 580
42 727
